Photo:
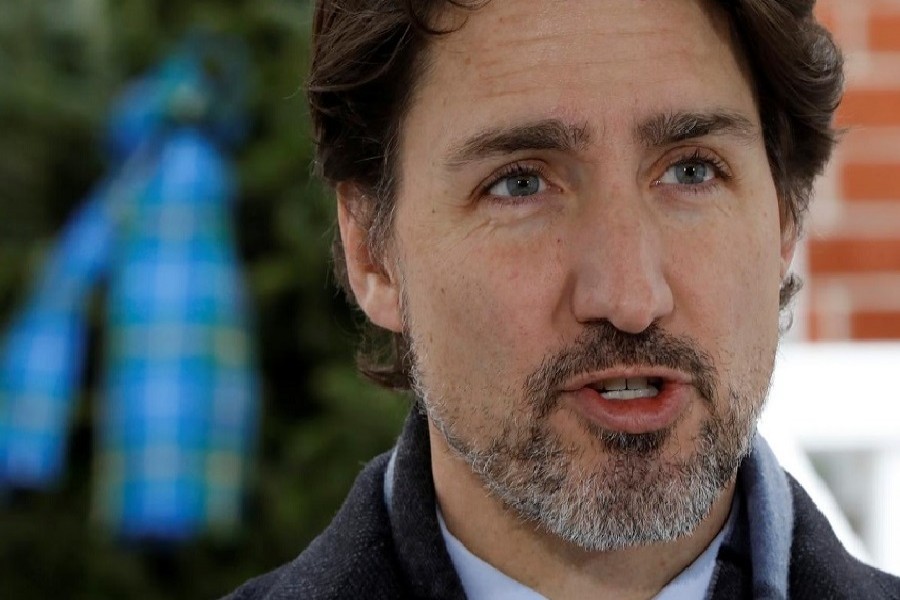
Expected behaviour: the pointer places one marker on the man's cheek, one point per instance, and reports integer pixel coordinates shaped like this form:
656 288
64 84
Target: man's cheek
488 323
487 311
734 299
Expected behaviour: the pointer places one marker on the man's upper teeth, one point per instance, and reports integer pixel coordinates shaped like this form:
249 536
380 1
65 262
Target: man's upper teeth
628 388
615 384
622 383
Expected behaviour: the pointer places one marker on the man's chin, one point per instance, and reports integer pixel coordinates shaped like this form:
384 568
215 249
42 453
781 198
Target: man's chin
603 490
620 490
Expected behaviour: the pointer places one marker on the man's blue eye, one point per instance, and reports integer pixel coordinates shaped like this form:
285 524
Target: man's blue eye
518 185
692 172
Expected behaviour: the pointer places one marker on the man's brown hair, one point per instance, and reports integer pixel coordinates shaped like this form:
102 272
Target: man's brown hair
368 56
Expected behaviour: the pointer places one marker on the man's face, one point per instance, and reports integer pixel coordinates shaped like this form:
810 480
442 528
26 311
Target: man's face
585 204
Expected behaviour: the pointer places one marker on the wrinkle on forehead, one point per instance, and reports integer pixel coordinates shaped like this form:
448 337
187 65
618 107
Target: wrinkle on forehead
552 45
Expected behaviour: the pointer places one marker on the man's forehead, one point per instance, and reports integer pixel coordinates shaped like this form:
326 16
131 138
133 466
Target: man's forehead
540 30
529 60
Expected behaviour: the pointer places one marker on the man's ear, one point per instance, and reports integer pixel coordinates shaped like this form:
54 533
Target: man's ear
376 289
789 237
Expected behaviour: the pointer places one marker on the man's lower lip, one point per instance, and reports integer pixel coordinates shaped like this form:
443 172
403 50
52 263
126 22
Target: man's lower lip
641 415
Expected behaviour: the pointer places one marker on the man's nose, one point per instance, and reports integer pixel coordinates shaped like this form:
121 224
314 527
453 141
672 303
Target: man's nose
620 272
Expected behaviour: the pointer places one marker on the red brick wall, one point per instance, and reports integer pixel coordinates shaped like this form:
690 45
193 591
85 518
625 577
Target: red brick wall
853 233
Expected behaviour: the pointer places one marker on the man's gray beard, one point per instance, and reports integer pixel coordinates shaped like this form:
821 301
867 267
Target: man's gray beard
634 496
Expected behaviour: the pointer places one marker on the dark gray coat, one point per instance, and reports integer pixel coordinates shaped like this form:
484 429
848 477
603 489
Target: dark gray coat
367 554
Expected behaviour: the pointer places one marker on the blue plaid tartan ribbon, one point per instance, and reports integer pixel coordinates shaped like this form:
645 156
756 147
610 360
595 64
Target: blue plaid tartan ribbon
41 360
177 421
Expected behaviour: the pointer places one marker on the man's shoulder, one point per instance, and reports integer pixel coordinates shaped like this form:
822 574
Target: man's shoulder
820 565
352 558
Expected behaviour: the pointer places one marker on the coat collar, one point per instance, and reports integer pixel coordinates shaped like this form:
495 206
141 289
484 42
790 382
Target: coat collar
409 491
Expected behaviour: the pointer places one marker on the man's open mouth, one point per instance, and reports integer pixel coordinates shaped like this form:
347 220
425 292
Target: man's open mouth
629 388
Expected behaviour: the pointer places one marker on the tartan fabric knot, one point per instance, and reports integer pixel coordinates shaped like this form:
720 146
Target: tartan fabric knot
178 411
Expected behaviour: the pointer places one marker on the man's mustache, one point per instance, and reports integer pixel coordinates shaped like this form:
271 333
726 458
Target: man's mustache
602 346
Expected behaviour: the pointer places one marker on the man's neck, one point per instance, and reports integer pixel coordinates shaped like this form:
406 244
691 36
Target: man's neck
547 564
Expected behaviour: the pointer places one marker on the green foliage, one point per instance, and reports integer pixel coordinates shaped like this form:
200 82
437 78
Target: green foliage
61 63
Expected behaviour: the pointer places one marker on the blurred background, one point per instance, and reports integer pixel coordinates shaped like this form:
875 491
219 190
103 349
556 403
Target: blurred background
829 401
64 67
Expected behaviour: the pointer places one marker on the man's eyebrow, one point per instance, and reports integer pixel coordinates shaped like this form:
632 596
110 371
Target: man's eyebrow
546 134
670 128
